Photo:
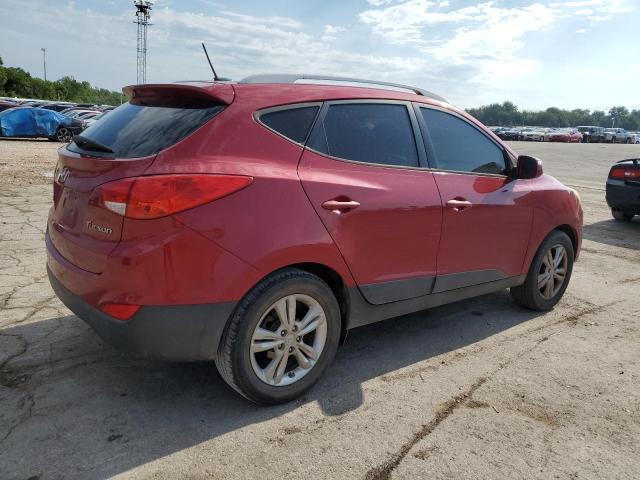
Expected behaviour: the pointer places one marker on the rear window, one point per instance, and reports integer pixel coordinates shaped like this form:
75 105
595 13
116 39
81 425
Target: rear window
146 126
292 123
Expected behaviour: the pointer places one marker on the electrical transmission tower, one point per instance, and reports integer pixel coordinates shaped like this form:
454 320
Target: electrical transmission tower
143 15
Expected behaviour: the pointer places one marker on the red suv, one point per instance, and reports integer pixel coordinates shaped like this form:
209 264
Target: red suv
254 223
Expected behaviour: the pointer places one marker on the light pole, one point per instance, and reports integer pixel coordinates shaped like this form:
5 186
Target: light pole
44 61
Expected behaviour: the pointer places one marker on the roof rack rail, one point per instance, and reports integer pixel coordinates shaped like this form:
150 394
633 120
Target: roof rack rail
330 80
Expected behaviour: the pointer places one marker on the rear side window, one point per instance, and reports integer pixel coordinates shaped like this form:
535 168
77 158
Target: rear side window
460 147
146 126
292 123
373 133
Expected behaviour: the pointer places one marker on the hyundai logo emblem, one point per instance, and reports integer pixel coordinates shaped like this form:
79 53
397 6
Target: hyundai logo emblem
63 175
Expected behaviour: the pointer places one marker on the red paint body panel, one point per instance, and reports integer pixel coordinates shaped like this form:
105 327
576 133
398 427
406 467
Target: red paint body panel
217 252
164 263
394 233
554 205
567 137
491 234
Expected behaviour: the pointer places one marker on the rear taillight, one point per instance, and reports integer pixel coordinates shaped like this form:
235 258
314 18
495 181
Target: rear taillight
161 195
625 173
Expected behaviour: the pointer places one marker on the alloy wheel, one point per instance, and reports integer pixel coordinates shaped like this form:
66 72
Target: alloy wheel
553 271
288 340
64 135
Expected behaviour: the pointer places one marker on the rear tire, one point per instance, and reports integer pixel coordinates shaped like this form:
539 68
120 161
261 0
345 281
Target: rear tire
621 216
535 294
279 374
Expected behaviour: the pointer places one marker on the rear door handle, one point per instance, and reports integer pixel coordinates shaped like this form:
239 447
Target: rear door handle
340 206
459 204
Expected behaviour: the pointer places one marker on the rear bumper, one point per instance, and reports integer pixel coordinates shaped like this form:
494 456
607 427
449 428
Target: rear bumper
623 197
166 332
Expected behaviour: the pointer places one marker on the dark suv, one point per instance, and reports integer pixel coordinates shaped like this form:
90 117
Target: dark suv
254 223
591 134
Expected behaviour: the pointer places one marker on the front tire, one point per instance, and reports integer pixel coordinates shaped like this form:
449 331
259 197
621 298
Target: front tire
548 275
281 338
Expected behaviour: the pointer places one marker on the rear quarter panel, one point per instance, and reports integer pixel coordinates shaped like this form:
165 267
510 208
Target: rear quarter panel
269 224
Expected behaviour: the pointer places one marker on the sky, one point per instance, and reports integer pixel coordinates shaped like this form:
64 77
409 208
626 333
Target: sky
536 53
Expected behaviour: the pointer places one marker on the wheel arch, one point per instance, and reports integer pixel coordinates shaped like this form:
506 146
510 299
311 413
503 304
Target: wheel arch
535 243
335 282
571 233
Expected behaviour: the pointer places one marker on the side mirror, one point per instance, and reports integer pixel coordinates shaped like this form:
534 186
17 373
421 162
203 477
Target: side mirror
528 167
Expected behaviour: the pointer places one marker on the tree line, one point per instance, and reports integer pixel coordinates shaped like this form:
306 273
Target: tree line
15 82
507 114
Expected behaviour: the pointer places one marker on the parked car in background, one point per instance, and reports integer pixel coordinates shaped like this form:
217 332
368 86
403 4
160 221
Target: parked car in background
635 137
87 122
568 135
32 103
510 134
79 113
548 132
58 107
616 135
591 134
87 115
75 109
171 234
4 105
533 134
29 122
623 189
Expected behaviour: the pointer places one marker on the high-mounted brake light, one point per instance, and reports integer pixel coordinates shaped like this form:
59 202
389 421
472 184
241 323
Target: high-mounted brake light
157 196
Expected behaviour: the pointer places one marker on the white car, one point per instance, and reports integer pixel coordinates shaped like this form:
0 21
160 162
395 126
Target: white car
530 134
635 137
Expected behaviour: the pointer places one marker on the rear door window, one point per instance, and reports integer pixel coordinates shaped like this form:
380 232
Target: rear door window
293 123
460 147
146 126
379 133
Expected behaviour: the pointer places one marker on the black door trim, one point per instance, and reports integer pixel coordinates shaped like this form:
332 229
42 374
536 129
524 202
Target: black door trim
453 281
398 290
386 292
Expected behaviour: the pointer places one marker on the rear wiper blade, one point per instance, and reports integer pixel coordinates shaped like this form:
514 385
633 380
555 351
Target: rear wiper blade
92 144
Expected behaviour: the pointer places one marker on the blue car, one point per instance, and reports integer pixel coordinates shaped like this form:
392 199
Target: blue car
28 122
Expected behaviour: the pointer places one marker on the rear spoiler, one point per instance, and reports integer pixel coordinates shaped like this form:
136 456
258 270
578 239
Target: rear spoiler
220 92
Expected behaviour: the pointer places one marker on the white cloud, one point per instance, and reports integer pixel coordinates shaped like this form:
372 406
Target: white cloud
486 36
331 32
377 3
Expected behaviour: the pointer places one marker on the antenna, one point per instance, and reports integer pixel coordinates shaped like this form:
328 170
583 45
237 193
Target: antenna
215 75
143 15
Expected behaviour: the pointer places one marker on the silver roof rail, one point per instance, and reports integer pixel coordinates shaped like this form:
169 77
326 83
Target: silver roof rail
329 80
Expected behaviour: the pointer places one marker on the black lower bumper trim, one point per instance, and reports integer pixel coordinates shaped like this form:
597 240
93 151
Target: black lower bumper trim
165 332
622 196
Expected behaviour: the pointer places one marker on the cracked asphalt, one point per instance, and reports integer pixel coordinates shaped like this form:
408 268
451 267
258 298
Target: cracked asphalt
477 389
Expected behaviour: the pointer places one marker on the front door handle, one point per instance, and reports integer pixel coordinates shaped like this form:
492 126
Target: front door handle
459 204
340 206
